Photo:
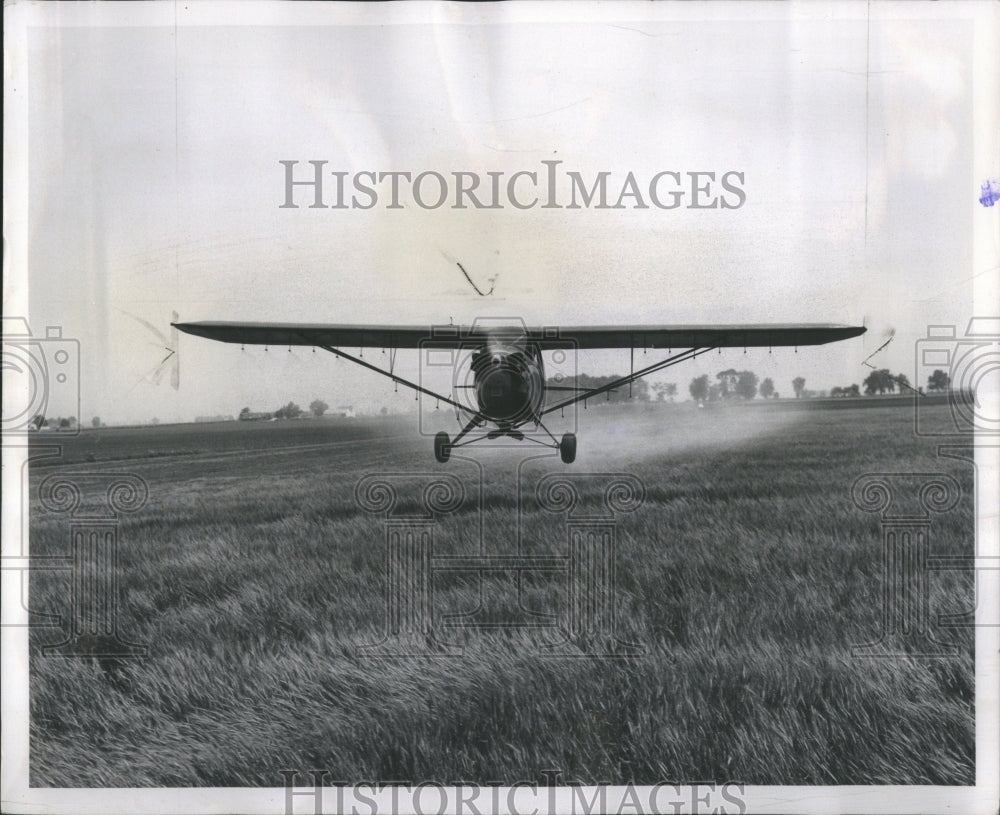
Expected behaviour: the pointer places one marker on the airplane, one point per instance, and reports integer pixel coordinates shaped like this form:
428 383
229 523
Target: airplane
506 368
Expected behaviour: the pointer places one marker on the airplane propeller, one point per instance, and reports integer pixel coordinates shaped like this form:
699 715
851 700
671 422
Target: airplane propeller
171 361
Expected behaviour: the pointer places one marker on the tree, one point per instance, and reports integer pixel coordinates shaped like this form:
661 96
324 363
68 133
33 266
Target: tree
96 421
746 385
938 381
903 382
244 413
699 388
798 385
664 390
318 407
289 411
727 382
851 390
879 382
39 421
767 388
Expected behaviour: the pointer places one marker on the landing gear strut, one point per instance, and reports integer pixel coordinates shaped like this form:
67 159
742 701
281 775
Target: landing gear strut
442 447
567 448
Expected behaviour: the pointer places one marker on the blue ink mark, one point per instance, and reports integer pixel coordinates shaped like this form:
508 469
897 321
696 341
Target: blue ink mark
990 192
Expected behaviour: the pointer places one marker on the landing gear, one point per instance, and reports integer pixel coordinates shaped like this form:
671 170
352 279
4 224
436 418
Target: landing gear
442 447
567 448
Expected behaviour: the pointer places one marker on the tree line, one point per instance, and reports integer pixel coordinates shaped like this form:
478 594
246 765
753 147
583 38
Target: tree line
730 384
290 411
745 385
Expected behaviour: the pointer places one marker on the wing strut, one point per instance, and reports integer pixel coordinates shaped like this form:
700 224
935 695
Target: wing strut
690 353
399 379
631 364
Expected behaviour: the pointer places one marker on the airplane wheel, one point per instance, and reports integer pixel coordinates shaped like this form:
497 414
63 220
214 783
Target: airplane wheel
567 448
442 449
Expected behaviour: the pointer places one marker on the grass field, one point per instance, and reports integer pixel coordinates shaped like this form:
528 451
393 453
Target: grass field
745 578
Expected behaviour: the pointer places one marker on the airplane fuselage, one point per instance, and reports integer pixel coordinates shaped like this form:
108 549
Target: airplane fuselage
509 380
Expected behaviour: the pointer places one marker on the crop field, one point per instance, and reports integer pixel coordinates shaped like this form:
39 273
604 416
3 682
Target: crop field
745 577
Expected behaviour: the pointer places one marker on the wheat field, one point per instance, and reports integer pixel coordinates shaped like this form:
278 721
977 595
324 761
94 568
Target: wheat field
743 581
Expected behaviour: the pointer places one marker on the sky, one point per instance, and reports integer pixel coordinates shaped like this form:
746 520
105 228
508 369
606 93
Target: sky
154 185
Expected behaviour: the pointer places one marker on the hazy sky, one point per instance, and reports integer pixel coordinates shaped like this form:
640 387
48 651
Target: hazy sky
155 184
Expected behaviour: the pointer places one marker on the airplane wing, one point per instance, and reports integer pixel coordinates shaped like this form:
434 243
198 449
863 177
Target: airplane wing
278 334
700 336
584 338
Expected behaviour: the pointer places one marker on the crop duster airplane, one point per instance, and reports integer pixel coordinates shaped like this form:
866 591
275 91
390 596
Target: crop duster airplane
506 374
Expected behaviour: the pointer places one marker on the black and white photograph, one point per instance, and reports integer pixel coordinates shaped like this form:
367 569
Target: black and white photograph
518 407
